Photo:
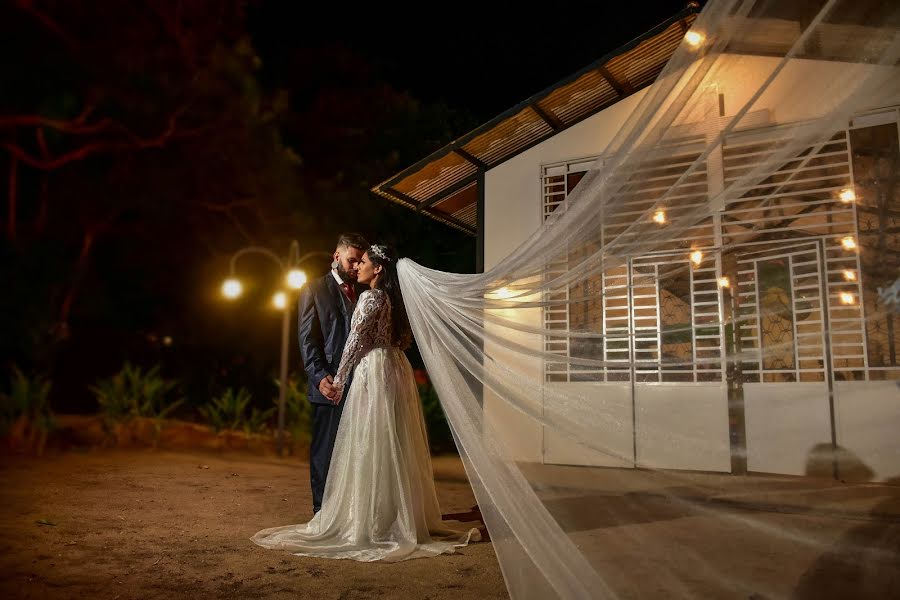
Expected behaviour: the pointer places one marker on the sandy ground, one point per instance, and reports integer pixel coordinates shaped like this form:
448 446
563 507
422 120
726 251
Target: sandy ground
163 524
160 524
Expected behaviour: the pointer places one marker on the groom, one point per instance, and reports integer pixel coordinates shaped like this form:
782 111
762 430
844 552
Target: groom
326 306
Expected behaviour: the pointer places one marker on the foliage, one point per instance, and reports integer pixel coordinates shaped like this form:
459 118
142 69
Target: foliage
146 139
152 146
229 412
257 420
132 393
297 413
25 415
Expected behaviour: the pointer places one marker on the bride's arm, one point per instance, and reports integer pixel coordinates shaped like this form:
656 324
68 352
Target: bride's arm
363 327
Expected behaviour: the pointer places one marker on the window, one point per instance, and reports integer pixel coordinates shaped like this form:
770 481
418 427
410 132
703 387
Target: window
875 151
808 247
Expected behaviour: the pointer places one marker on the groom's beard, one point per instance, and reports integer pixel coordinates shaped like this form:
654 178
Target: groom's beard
344 275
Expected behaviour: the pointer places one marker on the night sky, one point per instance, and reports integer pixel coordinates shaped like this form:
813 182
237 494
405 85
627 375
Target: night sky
155 139
470 56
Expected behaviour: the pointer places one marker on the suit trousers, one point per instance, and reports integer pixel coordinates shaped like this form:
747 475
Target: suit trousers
325 421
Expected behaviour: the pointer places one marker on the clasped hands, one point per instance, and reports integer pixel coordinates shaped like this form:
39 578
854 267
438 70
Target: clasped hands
329 390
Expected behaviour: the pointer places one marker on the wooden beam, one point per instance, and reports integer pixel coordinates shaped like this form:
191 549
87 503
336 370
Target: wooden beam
403 197
447 192
548 118
623 88
471 158
448 219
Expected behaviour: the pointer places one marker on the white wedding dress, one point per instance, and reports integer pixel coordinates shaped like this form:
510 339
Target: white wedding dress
379 502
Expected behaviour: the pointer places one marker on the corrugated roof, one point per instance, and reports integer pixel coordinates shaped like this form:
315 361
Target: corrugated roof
443 185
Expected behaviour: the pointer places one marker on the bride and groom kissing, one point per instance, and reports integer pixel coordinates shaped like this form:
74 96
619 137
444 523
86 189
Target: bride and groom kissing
370 467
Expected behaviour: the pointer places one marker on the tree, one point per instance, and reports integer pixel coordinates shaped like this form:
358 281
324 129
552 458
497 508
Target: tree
139 126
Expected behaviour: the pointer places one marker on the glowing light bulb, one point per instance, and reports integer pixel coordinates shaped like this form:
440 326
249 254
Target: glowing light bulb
296 279
232 288
849 275
279 300
693 38
847 298
659 217
848 243
724 282
847 195
696 257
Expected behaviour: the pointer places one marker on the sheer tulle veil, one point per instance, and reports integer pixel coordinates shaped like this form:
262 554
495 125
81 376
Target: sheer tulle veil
718 254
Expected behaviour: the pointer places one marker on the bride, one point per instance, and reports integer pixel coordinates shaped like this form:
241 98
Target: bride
379 502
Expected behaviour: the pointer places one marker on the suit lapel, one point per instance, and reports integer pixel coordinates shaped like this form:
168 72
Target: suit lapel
338 295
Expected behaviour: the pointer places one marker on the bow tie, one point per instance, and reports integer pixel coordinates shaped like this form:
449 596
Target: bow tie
349 291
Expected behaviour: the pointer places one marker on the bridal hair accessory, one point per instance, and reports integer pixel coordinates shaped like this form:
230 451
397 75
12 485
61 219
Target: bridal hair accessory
379 251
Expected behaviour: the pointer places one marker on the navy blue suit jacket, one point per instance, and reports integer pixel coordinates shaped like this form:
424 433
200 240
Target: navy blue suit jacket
324 325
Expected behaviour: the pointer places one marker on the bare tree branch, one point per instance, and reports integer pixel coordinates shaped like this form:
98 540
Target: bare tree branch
76 126
48 23
135 142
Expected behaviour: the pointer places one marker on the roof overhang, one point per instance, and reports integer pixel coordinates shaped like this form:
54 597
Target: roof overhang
443 185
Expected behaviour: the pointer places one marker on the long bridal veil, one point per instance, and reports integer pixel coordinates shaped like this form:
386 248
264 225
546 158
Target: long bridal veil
696 323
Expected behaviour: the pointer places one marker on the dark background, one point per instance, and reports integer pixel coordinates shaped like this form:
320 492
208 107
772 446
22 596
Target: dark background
142 143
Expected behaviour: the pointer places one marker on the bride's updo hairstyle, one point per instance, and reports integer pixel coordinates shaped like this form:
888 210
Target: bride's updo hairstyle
385 256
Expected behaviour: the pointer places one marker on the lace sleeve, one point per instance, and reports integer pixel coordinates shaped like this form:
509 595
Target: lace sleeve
363 333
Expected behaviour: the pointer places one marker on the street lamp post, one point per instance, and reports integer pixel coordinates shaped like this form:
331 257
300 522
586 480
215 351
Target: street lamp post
295 279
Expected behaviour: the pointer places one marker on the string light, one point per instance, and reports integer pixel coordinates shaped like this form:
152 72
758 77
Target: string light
724 282
659 217
849 275
693 38
696 257
848 243
847 195
847 298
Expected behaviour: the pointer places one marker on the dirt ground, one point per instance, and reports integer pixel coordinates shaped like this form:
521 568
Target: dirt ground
163 524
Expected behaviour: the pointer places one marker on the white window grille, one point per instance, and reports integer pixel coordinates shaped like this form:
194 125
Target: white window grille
795 275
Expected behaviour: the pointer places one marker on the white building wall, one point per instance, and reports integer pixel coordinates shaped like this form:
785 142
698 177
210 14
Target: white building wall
513 213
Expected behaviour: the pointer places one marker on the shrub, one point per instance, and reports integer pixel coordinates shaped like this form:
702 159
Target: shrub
25 415
133 393
297 413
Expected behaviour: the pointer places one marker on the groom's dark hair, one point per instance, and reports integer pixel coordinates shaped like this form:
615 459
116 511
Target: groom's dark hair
352 240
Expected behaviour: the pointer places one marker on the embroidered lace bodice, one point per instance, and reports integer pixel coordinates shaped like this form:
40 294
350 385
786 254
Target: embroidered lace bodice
370 328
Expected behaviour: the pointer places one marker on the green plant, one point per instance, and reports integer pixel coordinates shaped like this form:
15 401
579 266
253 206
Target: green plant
133 393
227 411
25 415
113 397
297 412
257 420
